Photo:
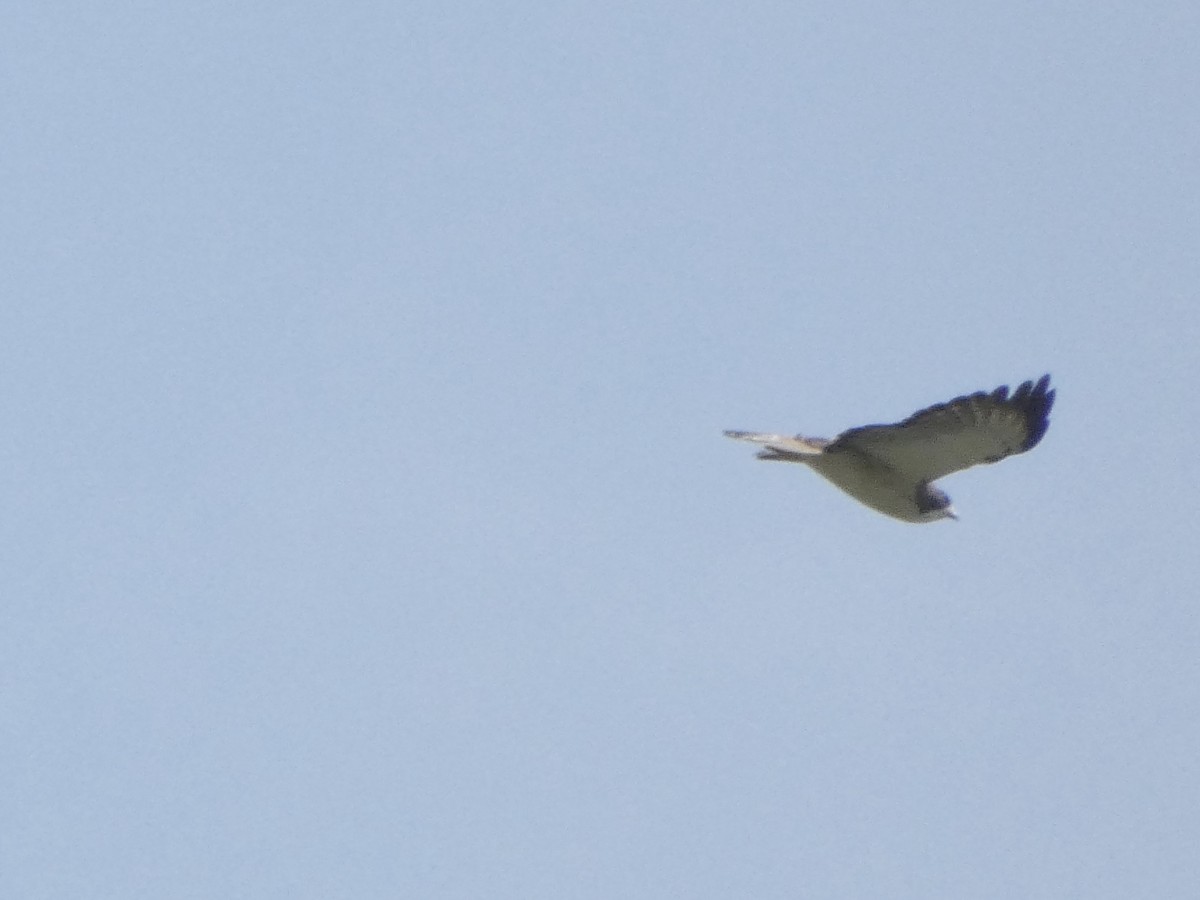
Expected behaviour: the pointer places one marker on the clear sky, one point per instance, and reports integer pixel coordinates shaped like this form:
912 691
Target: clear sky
368 527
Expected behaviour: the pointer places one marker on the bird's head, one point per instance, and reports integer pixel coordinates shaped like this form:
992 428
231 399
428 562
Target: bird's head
935 504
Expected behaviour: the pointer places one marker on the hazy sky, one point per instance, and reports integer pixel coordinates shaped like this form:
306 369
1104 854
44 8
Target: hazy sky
368 527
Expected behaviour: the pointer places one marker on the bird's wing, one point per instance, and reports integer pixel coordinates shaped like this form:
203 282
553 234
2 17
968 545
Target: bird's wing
964 432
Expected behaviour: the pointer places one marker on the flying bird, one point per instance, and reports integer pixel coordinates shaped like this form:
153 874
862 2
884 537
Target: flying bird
891 468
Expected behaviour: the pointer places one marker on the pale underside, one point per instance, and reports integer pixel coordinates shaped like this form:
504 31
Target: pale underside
863 477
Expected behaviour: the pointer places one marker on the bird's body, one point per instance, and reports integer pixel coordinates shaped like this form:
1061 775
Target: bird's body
891 468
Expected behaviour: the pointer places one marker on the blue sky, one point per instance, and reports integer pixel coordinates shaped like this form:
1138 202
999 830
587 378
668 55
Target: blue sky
369 531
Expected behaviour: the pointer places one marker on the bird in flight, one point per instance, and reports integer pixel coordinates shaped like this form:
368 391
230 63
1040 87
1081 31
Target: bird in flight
891 468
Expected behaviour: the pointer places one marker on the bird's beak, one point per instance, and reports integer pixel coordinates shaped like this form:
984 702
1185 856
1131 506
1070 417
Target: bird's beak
951 513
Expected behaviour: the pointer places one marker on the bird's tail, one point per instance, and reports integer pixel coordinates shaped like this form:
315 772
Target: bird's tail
781 448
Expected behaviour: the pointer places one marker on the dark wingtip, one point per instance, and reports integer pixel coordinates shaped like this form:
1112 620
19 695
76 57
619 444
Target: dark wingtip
1035 401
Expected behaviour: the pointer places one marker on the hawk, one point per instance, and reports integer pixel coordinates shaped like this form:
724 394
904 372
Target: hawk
891 468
